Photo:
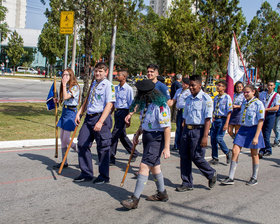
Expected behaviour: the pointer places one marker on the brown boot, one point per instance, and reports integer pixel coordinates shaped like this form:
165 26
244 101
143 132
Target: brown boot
130 203
159 196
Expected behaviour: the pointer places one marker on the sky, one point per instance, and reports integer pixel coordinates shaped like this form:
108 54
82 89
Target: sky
35 17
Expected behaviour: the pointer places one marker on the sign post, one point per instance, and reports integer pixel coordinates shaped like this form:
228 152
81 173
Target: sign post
66 27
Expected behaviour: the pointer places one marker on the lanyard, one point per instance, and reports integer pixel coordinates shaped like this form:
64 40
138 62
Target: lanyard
218 104
246 107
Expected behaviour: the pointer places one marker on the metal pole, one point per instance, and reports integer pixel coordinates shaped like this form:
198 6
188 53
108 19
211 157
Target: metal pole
66 51
112 54
73 64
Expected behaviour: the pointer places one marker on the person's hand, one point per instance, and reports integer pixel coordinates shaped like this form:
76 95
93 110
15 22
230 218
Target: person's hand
64 80
127 120
166 153
225 127
203 143
55 100
98 126
255 141
77 119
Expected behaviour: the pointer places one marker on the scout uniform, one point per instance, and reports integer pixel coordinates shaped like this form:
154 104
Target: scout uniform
268 101
180 97
238 99
222 106
197 109
124 98
100 94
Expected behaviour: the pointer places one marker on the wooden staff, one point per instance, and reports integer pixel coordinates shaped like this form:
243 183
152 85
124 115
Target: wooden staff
56 120
75 130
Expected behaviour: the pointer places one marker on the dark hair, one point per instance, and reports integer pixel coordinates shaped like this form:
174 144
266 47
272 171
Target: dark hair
271 82
186 81
223 82
123 71
196 78
101 65
153 66
236 84
253 88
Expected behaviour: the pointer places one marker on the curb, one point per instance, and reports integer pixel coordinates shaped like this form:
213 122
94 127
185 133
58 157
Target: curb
41 142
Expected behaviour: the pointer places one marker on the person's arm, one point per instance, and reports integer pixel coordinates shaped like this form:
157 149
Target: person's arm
78 115
103 117
258 131
207 125
166 149
236 106
271 109
227 121
169 103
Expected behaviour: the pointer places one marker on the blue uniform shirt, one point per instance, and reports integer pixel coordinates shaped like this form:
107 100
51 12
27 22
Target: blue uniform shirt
156 118
124 96
238 99
75 93
198 108
254 113
181 96
163 89
225 105
264 97
100 95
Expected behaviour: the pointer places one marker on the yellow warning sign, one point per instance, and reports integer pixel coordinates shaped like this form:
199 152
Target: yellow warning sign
66 22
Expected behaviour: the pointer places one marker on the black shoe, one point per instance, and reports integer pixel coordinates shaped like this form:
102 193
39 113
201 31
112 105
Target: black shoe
214 161
100 181
57 166
82 179
267 153
212 181
228 156
227 181
252 182
261 153
183 188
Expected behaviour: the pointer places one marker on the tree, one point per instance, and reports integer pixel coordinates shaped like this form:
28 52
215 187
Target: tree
3 25
15 48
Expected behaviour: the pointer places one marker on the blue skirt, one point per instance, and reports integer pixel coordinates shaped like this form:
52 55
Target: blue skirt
245 137
67 119
235 117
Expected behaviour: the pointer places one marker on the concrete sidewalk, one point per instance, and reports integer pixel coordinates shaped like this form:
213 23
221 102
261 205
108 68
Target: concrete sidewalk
41 142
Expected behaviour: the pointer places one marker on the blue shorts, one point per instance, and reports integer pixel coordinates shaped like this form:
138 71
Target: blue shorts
245 135
153 143
67 119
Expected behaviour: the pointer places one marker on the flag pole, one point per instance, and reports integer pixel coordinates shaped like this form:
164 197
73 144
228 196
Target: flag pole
56 119
241 57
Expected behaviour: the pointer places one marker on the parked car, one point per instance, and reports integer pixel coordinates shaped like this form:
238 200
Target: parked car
26 70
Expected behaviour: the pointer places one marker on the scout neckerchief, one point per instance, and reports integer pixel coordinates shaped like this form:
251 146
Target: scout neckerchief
237 94
269 99
246 107
216 112
94 89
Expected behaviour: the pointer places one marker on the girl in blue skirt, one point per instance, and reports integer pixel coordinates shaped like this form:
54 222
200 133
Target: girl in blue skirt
249 134
69 96
234 122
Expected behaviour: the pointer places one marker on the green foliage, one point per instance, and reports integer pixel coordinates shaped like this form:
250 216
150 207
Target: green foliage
15 48
28 57
3 26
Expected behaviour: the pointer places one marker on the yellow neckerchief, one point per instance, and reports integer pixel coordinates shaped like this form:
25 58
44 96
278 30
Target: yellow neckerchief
246 107
218 104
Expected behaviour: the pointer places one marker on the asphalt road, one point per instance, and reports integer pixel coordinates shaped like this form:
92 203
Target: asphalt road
32 192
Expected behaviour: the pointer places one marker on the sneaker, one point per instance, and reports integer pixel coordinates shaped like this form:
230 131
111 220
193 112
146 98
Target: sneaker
252 182
227 181
183 188
159 196
212 181
57 166
261 153
82 179
99 180
214 161
228 156
267 153
130 203
276 144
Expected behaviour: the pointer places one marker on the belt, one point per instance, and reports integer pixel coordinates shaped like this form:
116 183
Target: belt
219 117
93 115
191 126
70 107
121 109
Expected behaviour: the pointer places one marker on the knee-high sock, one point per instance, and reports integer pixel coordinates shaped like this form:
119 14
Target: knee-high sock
232 169
140 184
158 178
65 139
255 171
63 151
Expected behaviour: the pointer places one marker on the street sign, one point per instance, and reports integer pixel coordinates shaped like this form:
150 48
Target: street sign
66 22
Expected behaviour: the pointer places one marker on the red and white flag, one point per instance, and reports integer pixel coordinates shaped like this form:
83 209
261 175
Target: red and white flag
234 72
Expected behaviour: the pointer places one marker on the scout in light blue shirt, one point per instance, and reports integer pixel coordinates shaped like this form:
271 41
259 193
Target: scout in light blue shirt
238 99
75 93
254 112
180 97
222 105
124 96
265 98
198 108
100 94
156 118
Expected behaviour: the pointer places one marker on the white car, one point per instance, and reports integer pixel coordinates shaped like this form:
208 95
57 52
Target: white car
27 70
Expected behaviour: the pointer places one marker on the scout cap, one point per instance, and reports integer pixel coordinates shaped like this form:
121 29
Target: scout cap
145 86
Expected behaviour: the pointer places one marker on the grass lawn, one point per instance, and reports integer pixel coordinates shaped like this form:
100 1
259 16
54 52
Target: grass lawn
20 121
